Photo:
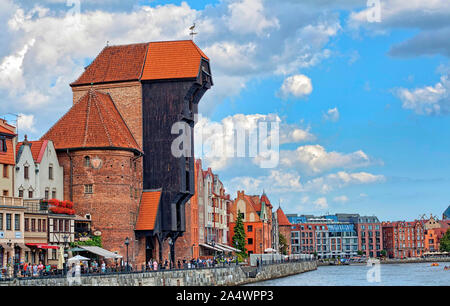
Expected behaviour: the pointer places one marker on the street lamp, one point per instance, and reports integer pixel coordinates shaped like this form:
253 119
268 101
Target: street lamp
65 255
127 242
171 250
213 243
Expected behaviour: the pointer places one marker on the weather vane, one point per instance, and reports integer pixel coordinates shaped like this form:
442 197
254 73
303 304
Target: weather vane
193 33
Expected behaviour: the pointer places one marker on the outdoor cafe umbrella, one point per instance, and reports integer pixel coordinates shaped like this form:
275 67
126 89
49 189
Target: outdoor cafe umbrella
78 258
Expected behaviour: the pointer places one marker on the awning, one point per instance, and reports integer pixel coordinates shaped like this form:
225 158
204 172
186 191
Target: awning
222 248
210 247
43 246
270 250
101 252
231 249
6 247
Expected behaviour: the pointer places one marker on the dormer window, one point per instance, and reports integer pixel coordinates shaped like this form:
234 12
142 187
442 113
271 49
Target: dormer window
3 147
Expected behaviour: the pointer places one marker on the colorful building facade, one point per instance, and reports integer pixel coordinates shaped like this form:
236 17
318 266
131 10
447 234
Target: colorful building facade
403 239
257 218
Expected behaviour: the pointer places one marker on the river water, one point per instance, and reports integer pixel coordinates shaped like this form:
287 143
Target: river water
417 274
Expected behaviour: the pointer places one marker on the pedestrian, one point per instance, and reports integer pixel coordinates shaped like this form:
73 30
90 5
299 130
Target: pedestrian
155 266
103 267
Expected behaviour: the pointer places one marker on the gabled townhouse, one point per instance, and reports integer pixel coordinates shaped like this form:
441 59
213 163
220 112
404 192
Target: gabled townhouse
257 218
38 172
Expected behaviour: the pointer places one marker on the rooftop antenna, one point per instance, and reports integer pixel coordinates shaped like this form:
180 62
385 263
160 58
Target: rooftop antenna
107 43
193 33
17 122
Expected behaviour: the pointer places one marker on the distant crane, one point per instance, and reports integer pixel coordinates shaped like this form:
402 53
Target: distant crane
192 29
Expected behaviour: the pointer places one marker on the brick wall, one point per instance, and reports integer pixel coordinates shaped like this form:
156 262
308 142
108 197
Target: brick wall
114 203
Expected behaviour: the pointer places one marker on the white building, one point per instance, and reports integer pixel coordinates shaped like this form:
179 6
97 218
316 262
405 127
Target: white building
38 174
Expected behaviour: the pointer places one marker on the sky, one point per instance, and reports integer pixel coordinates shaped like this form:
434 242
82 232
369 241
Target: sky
360 90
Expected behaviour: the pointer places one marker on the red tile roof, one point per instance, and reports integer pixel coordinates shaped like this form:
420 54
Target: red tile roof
147 61
115 63
37 149
148 210
8 133
282 219
93 122
7 157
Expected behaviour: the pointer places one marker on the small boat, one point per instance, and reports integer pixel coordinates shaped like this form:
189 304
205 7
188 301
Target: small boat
446 268
435 264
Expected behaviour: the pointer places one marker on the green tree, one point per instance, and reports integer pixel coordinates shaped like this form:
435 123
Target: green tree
94 241
239 239
445 242
360 253
383 253
283 244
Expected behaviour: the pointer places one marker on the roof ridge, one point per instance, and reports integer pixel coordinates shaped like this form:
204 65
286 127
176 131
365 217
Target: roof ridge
86 126
101 119
126 125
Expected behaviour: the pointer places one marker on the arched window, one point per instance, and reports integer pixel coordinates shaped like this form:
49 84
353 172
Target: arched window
87 161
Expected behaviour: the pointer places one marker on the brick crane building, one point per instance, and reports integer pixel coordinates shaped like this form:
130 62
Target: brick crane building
117 151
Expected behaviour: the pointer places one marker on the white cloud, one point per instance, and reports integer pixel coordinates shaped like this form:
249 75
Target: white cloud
341 199
321 203
332 115
216 142
298 86
250 17
429 100
26 123
314 159
330 182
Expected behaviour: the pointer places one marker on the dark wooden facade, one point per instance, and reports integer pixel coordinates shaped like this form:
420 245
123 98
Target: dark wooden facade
164 104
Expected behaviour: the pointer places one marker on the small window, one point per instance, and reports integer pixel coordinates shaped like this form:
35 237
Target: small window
3 147
50 173
30 194
33 225
27 225
88 188
5 193
46 194
5 171
250 241
53 194
17 222
21 193
250 228
8 222
26 172
87 161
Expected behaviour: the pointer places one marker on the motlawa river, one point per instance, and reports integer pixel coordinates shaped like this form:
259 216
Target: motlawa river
415 274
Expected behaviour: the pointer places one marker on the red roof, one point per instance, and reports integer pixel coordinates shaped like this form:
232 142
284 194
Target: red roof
282 219
148 210
37 149
93 122
147 61
7 157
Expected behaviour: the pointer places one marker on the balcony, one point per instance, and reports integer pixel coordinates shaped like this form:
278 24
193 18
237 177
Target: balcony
11 201
35 207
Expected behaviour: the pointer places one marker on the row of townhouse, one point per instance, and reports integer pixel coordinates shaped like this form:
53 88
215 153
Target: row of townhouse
211 217
31 174
333 236
348 235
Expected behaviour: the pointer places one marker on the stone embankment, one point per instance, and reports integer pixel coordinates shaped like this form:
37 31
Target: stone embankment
226 276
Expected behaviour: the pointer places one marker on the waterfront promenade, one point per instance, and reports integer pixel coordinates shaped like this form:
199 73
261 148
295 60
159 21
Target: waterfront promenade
231 275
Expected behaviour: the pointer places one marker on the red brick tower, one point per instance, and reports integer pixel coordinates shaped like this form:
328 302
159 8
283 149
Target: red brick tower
102 168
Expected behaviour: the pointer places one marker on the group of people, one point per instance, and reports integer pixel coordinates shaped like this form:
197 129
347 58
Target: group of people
24 269
153 265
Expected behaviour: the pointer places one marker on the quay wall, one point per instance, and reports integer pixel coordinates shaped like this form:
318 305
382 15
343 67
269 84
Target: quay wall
226 276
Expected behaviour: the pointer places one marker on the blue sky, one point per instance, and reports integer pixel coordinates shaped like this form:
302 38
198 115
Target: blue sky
370 100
